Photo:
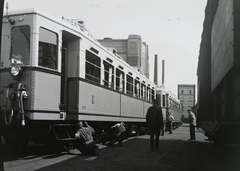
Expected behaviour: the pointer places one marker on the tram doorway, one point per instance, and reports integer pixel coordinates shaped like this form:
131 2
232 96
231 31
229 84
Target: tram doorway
69 70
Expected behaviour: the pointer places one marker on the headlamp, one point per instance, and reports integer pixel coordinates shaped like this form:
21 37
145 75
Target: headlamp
15 70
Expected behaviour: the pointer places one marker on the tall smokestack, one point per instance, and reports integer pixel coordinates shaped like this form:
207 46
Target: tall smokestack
156 70
163 73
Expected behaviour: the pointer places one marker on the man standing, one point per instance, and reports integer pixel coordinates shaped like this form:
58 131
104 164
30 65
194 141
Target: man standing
192 122
170 120
154 120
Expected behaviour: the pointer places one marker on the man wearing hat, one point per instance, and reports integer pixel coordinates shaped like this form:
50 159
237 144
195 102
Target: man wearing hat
154 120
192 122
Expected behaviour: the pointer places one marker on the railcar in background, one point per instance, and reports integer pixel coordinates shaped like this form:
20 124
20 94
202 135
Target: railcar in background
218 108
53 73
169 103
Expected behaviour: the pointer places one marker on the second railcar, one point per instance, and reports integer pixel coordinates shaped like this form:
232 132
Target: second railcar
218 72
169 104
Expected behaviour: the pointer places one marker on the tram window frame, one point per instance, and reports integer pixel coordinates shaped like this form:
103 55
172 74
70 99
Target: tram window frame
152 95
48 49
20 44
129 84
143 91
92 67
106 81
137 88
148 93
118 80
170 103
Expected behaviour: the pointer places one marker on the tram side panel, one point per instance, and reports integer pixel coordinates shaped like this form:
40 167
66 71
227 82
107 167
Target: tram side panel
46 91
131 107
98 100
177 115
146 105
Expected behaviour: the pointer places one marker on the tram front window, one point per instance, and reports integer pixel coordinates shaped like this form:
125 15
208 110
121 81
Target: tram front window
47 49
20 45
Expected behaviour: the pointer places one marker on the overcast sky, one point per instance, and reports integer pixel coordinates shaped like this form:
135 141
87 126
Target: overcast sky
171 28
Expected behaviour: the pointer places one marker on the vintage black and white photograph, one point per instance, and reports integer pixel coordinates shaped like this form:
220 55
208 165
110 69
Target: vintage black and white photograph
120 85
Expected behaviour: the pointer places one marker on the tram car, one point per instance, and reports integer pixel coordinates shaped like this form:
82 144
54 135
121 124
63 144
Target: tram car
218 108
169 104
53 73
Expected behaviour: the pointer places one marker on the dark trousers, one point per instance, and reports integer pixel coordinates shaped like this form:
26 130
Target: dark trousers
192 132
87 148
163 129
170 126
119 137
154 137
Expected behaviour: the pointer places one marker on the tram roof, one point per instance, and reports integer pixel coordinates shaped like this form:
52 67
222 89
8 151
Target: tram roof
71 23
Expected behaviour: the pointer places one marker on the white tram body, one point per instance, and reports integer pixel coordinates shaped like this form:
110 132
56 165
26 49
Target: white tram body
54 71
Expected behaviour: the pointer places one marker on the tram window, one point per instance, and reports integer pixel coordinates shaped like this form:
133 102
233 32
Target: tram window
152 95
108 75
92 67
129 85
20 44
158 97
143 91
137 88
47 56
148 93
119 80
163 100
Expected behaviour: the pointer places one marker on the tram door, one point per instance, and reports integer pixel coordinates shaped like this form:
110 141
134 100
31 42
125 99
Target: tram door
70 72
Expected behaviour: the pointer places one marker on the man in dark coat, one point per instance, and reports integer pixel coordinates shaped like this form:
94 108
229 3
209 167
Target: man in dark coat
154 120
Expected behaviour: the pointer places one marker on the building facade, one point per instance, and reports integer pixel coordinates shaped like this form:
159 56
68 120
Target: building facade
186 95
132 50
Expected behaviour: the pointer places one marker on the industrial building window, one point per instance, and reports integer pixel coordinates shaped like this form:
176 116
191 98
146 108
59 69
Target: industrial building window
120 80
108 75
182 91
47 55
190 91
129 85
93 67
137 88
